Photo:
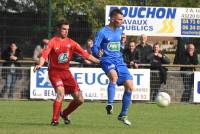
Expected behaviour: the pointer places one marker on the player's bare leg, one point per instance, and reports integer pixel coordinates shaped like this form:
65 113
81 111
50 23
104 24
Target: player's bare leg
128 85
73 105
111 90
57 105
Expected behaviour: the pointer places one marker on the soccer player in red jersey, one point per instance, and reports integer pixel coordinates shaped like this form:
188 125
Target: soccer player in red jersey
59 53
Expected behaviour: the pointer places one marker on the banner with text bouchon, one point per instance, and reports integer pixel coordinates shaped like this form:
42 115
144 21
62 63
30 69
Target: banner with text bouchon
93 83
159 21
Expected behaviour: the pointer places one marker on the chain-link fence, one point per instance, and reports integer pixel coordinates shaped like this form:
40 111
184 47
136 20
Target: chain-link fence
15 82
16 85
179 85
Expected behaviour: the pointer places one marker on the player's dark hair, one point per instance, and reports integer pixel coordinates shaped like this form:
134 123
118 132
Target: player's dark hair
62 22
115 12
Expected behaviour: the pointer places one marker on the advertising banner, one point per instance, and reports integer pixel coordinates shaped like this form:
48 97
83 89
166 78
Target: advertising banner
196 97
159 21
93 83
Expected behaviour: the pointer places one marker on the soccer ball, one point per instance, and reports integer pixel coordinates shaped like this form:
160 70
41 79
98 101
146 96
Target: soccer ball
163 99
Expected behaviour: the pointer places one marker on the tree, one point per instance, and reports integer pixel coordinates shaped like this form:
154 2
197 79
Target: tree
86 16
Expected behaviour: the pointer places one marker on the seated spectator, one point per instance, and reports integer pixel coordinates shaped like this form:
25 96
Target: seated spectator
190 57
156 59
38 50
11 55
129 55
89 45
143 50
123 43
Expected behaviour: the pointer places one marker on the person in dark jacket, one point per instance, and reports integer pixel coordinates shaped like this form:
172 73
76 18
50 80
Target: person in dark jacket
11 55
190 57
129 55
143 50
156 59
123 43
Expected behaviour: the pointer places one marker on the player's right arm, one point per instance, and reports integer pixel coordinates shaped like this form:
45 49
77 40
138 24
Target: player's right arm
93 59
45 53
96 51
85 54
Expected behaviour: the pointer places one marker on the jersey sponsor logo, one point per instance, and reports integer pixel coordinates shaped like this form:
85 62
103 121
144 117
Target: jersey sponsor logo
68 46
63 58
114 46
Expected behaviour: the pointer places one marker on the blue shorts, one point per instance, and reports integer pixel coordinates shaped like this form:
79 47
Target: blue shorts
120 67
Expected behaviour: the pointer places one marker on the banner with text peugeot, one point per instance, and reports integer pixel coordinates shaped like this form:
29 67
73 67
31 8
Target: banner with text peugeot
93 83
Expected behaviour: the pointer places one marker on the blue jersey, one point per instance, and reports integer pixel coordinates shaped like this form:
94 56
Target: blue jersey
110 41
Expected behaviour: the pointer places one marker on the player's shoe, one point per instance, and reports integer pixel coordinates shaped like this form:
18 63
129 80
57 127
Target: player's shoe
109 109
66 119
124 119
54 123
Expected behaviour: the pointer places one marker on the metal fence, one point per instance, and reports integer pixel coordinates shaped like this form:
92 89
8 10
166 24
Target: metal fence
179 84
15 82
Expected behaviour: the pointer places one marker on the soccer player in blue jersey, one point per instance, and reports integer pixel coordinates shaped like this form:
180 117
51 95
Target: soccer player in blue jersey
108 41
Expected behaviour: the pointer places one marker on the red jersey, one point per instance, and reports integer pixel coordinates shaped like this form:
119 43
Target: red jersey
60 51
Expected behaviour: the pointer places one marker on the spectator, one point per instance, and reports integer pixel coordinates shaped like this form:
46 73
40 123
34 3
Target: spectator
190 57
11 55
88 49
38 50
156 59
129 54
143 50
123 43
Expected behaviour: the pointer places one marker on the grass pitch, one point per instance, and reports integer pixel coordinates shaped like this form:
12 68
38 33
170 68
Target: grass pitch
33 117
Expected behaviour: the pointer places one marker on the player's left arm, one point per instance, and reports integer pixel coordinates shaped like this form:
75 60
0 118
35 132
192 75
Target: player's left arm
85 54
96 48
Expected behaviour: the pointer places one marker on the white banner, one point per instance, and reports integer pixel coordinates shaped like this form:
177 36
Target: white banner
196 97
93 83
159 21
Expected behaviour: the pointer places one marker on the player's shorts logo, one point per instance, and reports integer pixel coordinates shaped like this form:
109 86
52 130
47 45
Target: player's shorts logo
114 46
112 66
63 58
